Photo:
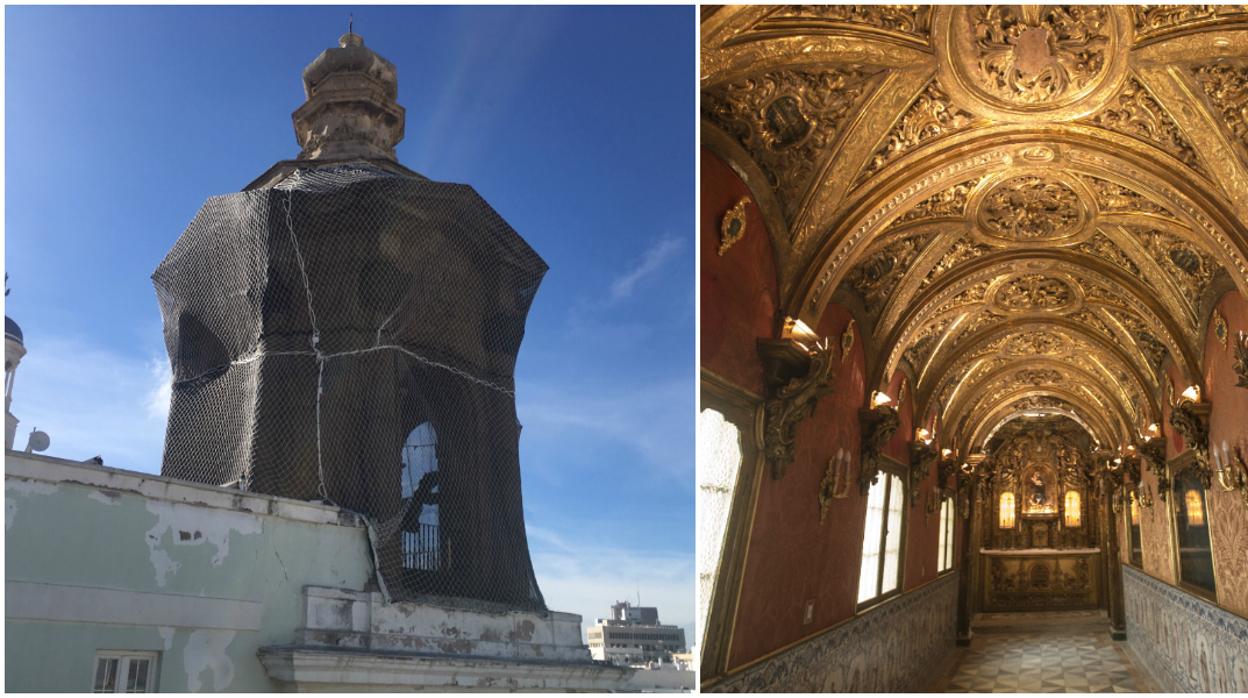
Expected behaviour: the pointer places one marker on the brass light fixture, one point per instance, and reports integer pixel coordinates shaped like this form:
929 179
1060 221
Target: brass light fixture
796 369
878 426
922 454
1231 469
1191 417
1153 454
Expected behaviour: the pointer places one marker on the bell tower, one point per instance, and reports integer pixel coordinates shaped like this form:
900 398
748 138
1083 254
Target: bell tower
346 330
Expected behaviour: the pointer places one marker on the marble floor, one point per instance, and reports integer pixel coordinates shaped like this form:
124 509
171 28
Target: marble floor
1044 653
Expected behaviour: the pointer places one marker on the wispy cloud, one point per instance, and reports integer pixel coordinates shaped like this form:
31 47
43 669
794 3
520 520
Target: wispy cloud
161 393
655 257
653 421
587 577
92 400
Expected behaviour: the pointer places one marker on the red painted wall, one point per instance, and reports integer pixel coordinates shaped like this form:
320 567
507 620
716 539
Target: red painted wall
740 295
1228 422
792 558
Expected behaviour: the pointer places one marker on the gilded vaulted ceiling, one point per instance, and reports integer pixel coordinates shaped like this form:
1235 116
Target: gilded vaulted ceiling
1030 207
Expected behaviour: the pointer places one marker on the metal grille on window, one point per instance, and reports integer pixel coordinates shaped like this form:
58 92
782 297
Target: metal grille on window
121 672
106 675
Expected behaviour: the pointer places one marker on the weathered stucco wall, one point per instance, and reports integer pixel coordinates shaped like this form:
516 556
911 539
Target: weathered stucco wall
895 646
202 575
1185 642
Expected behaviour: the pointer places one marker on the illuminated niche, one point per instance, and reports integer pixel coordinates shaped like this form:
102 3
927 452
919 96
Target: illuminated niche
1006 517
1195 508
1073 517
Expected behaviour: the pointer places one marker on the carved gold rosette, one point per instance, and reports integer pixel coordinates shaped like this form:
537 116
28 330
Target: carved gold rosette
1028 63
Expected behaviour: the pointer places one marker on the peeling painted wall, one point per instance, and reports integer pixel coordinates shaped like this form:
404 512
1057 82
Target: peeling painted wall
203 579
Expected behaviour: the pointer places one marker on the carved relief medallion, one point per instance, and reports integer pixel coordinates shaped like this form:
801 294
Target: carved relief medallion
1024 62
1219 327
732 227
1034 343
1035 292
1032 208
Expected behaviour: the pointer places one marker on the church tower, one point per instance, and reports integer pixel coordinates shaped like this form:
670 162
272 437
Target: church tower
345 329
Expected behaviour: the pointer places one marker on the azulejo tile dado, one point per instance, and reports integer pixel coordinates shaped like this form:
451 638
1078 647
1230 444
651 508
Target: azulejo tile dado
1187 643
894 647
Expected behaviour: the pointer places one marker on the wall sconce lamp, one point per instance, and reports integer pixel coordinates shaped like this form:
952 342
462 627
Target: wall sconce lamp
945 469
878 426
1191 418
1231 469
1153 454
1191 393
796 369
922 455
796 330
880 399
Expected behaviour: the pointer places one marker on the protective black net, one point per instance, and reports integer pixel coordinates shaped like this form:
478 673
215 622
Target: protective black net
351 335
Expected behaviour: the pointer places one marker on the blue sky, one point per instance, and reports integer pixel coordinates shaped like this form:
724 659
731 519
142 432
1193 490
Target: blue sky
576 124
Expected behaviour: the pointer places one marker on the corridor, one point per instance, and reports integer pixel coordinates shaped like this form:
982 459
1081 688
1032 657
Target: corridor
1056 652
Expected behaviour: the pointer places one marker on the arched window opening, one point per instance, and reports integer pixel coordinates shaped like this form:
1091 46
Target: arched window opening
1072 512
945 563
421 542
880 573
1195 553
1006 516
718 463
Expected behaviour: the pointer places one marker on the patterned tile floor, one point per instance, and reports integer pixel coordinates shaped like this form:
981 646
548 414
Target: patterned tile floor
1018 657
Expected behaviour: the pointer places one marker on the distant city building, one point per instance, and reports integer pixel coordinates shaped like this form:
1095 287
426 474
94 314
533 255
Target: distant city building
634 636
